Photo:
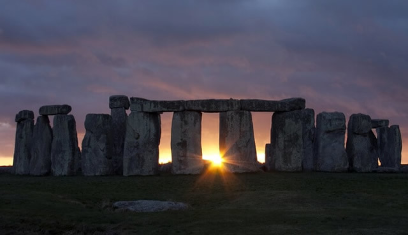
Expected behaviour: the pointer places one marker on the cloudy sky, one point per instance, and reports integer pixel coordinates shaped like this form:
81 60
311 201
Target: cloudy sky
349 56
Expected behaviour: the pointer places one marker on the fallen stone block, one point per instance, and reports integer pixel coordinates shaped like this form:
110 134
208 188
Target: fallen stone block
119 101
55 109
272 105
149 206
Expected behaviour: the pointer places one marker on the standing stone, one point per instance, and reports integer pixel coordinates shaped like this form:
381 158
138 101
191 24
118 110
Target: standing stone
65 154
118 105
287 141
40 163
141 153
268 157
362 154
97 146
186 149
237 142
308 136
23 142
330 133
389 146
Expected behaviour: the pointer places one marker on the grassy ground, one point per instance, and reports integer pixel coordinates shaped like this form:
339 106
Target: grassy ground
263 203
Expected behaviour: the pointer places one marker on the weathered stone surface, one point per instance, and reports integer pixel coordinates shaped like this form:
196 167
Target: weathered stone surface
382 169
40 163
287 141
119 118
389 146
330 154
22 150
268 157
149 206
119 101
65 153
272 105
55 109
97 145
156 106
141 153
237 142
186 143
308 136
377 123
404 168
24 115
361 147
213 105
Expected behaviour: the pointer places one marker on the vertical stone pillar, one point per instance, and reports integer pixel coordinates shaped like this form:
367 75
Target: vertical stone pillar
186 149
237 142
389 146
24 135
97 145
141 152
65 153
287 141
40 163
308 136
268 157
362 154
330 153
118 105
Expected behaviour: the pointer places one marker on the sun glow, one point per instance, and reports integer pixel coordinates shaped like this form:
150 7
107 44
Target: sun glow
215 159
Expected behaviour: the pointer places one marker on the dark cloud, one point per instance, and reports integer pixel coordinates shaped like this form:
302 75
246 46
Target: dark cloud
346 55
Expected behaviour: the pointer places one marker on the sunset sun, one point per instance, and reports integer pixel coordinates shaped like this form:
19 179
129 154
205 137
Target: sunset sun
215 159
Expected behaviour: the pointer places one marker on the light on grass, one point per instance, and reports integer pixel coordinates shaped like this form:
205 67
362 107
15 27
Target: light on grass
215 159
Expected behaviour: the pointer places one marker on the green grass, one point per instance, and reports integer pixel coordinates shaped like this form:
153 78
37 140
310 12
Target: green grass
263 203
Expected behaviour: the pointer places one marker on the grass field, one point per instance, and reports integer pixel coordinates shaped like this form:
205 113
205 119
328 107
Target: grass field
262 203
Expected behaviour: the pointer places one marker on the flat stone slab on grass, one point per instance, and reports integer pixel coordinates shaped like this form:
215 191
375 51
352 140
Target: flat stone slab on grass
55 109
149 206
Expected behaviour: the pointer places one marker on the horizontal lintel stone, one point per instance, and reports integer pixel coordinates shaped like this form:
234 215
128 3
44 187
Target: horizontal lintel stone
118 101
24 114
55 109
213 105
377 123
156 106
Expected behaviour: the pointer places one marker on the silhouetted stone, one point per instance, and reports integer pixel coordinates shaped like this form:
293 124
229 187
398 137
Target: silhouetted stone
377 123
40 163
141 153
55 109
237 142
268 157
149 206
272 105
361 147
23 142
24 115
287 141
119 118
119 101
65 154
212 105
97 145
330 133
389 146
156 106
382 169
186 143
308 136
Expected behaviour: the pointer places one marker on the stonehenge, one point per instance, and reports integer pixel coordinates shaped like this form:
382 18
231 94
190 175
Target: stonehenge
118 144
